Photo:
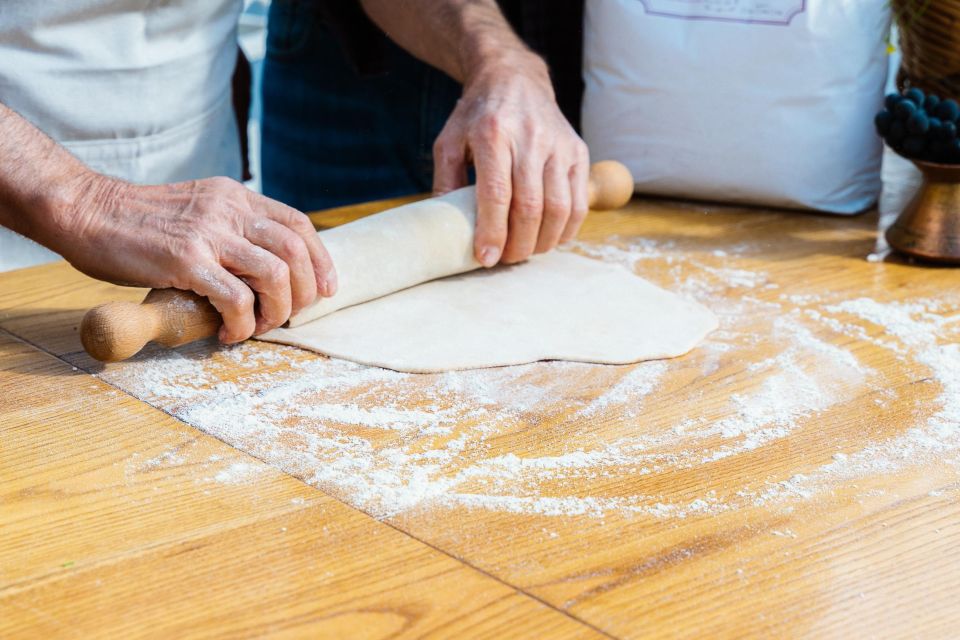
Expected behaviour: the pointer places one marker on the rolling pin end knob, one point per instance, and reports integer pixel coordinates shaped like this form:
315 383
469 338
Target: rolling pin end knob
115 331
611 185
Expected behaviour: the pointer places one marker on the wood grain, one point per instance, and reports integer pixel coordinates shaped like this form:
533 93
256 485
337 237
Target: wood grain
869 556
118 521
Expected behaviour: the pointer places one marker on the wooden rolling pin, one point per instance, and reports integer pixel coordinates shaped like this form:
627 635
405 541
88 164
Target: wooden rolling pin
116 331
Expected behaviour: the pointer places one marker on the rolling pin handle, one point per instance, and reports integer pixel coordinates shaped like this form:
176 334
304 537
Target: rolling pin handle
116 331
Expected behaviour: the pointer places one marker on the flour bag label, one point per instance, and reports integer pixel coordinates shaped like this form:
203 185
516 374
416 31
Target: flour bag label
746 11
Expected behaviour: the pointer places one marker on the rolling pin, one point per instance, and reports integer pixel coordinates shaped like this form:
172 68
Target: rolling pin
374 256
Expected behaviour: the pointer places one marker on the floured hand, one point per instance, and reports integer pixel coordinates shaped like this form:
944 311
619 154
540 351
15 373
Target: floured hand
258 261
531 165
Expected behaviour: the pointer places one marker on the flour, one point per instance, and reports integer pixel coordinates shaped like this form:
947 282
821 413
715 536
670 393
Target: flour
166 459
627 251
237 473
536 439
912 332
920 330
737 278
629 391
167 374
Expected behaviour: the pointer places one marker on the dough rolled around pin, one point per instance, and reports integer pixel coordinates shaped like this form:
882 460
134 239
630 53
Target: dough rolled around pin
423 241
397 249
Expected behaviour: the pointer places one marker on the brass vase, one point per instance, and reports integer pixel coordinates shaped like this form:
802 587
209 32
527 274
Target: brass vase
929 228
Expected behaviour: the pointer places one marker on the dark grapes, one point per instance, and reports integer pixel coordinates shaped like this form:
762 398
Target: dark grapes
936 128
916 96
954 153
918 123
905 109
939 150
897 133
914 146
883 121
921 126
948 110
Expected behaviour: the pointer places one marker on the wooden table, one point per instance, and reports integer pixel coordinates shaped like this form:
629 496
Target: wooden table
796 476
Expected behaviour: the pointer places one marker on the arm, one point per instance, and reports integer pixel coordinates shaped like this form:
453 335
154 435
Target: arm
210 236
531 166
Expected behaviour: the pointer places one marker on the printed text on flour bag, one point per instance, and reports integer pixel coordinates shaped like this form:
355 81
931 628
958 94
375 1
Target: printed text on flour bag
773 12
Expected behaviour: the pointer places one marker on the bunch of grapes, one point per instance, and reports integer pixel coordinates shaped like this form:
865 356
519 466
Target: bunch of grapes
921 127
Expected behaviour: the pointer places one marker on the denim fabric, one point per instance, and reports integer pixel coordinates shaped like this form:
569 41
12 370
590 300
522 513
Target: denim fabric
333 136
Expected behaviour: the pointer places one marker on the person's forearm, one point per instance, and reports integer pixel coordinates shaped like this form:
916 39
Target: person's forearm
256 260
460 37
39 181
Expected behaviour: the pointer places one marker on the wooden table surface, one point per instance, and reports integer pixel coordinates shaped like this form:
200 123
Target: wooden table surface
797 475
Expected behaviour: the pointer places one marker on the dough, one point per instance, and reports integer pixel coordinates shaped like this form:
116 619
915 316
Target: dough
557 306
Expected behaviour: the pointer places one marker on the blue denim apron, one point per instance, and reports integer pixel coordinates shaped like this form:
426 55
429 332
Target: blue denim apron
332 135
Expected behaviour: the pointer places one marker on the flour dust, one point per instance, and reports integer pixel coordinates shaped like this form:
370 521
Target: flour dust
536 439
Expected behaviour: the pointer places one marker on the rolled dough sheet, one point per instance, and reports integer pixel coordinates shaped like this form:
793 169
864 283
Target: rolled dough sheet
557 306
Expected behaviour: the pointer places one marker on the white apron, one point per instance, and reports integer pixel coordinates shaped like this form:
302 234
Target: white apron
137 89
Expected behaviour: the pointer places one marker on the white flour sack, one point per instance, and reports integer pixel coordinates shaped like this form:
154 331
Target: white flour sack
755 101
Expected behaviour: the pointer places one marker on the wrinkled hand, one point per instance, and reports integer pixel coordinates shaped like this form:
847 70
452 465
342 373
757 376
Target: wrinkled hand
211 236
531 166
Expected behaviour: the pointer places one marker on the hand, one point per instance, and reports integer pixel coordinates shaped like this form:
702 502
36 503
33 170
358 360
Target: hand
212 236
531 166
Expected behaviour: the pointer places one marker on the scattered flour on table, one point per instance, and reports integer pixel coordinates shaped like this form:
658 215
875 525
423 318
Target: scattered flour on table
389 442
629 391
237 473
914 332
